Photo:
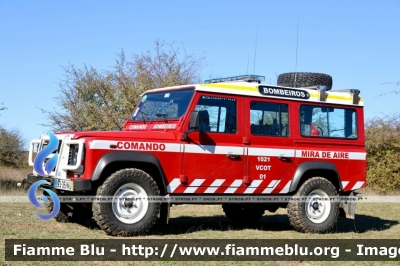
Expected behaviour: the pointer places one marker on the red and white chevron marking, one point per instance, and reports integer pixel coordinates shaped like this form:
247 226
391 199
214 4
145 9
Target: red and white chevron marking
353 185
223 186
220 186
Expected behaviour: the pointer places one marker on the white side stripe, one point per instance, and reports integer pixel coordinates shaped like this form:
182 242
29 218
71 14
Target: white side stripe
173 185
358 185
135 146
270 152
235 185
213 149
334 155
216 149
344 184
269 188
253 186
214 186
194 185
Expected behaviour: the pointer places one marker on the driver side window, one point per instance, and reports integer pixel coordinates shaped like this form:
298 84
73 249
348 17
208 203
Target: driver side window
217 114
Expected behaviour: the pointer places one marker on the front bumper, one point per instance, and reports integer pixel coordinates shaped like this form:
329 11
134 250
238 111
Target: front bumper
79 185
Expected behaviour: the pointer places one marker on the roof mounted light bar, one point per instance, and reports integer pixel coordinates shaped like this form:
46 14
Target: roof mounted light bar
247 78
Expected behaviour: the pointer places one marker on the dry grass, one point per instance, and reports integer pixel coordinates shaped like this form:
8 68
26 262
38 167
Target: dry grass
17 174
374 221
9 179
18 221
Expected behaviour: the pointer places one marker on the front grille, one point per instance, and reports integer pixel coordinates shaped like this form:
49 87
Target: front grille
70 155
73 151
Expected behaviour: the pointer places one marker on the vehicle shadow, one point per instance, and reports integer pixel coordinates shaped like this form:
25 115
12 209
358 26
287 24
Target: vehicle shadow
278 222
364 223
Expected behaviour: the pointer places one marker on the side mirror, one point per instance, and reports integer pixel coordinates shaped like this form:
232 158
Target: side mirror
193 124
194 120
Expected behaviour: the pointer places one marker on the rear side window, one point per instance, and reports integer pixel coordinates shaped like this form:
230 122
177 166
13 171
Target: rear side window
269 119
331 122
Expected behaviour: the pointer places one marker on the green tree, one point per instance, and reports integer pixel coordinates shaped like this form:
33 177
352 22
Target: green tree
92 99
383 151
11 148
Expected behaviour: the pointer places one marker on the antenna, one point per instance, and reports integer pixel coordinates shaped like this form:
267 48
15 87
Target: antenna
297 46
248 59
255 50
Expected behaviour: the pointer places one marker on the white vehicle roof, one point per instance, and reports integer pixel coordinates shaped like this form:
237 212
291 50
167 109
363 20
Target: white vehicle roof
255 89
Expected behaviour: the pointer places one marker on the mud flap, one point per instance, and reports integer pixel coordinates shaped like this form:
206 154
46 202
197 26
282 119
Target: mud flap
348 207
164 212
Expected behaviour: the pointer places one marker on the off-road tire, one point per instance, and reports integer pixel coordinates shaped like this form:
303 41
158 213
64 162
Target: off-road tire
304 79
25 185
78 213
243 213
300 213
109 217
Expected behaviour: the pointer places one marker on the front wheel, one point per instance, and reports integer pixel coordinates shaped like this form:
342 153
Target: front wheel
317 214
129 213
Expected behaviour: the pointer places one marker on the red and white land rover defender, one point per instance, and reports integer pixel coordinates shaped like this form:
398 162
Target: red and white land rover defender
229 137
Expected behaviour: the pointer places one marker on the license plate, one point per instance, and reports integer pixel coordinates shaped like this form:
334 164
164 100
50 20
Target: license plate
64 184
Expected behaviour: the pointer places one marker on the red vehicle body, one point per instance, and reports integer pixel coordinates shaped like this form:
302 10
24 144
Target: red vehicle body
219 139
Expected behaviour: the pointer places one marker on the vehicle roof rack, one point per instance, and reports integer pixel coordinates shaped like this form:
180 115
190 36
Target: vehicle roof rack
247 78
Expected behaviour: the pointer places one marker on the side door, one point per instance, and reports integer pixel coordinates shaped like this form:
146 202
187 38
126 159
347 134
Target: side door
214 154
270 151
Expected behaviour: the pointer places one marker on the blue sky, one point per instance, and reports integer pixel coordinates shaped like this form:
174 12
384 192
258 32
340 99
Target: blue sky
357 42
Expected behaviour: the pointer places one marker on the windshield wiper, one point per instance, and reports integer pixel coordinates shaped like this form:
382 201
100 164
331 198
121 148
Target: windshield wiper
162 115
143 113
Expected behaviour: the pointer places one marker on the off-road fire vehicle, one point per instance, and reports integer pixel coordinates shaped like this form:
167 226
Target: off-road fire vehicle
229 138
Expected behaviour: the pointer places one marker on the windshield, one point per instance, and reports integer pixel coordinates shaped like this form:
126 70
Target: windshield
163 105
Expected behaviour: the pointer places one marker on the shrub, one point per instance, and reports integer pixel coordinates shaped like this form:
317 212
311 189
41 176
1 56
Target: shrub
11 148
383 151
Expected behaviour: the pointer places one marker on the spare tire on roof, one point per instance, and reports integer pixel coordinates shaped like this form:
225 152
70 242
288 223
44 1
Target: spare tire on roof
304 79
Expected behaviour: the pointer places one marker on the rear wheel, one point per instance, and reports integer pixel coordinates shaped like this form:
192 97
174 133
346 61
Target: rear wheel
130 213
317 214
244 213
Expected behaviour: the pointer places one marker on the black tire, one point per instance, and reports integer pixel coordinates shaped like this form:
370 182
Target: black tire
304 79
25 185
243 213
71 213
314 216
122 217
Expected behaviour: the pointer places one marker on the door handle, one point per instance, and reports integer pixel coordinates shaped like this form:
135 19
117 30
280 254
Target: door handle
232 155
284 158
